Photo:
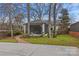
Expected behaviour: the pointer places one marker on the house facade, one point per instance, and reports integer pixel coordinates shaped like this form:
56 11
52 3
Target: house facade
39 27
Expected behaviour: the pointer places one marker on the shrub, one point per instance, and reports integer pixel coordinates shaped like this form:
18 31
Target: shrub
17 32
14 33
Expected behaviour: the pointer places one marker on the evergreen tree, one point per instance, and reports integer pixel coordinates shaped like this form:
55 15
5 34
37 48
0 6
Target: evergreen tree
64 22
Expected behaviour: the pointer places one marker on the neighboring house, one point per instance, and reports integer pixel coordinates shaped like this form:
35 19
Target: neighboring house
39 27
74 29
3 29
4 26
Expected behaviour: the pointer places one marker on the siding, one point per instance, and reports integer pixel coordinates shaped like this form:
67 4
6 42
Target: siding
74 30
74 27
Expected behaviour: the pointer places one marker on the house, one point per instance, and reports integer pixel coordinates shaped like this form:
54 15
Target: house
39 27
74 29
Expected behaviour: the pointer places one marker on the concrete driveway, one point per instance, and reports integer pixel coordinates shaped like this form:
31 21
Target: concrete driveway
24 49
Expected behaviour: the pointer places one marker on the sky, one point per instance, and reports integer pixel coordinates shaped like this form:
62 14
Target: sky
73 9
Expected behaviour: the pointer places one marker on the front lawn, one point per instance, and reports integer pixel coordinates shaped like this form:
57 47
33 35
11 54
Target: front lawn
11 40
66 40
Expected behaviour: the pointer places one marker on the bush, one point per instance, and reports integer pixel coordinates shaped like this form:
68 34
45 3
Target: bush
3 34
8 33
14 33
17 32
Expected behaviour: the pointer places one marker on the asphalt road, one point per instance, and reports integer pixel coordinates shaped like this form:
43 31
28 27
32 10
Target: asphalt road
25 49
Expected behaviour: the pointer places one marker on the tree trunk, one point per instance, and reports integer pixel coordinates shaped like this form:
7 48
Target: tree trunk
49 21
54 23
11 26
11 31
28 17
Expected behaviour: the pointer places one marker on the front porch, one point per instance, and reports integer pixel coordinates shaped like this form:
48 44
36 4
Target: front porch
37 29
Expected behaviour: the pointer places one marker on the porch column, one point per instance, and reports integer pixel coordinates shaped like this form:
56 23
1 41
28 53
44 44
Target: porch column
24 29
43 29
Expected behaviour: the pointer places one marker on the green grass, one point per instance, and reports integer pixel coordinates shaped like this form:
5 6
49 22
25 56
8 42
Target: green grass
65 40
10 40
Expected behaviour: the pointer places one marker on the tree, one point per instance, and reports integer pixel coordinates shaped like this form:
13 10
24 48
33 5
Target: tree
8 9
2 22
8 14
38 11
54 18
28 17
49 21
19 21
64 22
56 8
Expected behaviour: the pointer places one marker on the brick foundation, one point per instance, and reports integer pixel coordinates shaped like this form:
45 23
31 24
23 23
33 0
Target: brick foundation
75 34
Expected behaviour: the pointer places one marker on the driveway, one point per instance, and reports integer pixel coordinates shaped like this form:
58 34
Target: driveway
26 49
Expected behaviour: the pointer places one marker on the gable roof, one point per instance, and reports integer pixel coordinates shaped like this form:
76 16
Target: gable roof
74 23
37 22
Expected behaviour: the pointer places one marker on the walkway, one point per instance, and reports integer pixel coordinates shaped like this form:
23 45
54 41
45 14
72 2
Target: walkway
25 49
19 40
